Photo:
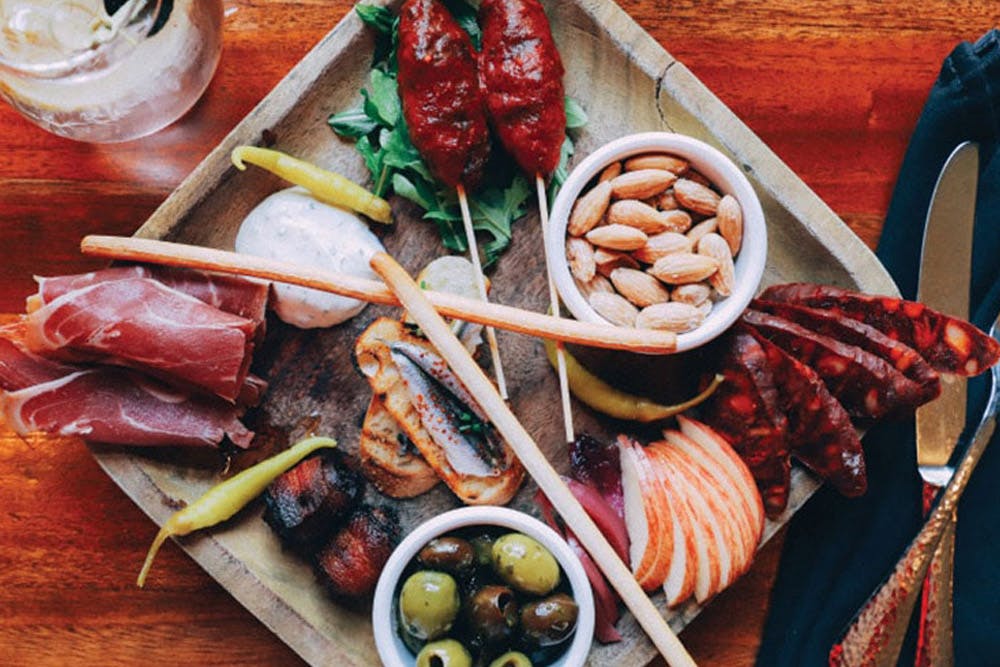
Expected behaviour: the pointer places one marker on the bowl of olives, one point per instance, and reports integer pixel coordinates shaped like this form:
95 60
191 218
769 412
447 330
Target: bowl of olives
483 587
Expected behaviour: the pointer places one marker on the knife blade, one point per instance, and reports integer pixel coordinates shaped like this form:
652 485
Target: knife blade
945 274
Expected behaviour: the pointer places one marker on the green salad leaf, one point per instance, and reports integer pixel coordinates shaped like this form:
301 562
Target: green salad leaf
379 129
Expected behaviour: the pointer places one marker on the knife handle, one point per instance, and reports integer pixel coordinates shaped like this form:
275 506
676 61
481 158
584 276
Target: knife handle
935 642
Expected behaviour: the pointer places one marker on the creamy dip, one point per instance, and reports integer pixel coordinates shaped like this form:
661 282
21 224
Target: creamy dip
292 226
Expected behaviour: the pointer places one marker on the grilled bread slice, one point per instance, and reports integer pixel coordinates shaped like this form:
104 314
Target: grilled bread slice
373 356
386 460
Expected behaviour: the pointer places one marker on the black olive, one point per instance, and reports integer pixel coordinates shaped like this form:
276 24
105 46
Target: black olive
550 620
492 614
451 554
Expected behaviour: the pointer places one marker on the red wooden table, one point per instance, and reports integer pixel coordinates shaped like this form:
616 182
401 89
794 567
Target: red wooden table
834 87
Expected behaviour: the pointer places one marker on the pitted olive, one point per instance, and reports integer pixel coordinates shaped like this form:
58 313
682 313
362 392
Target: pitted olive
451 554
549 621
512 659
428 604
525 564
444 653
483 547
492 614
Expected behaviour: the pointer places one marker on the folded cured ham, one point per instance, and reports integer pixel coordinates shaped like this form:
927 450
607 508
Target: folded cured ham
110 405
141 323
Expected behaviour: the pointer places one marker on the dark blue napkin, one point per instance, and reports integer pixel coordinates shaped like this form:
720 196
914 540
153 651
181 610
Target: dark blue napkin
838 550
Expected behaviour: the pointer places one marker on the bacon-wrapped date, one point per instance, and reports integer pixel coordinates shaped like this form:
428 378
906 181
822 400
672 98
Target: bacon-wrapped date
820 432
746 411
867 385
520 72
948 344
439 89
351 562
857 333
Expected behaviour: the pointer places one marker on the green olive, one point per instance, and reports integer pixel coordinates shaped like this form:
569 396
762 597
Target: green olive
444 653
451 554
512 659
428 604
550 620
525 564
492 614
483 546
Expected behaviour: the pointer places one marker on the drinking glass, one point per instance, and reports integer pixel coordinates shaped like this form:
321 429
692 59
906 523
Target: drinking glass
107 70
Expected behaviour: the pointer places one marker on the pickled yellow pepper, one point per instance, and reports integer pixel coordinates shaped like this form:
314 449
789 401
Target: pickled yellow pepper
327 186
230 496
599 395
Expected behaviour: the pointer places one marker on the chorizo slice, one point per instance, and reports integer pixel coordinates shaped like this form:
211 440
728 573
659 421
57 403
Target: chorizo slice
857 333
867 385
439 89
820 432
949 345
521 74
745 410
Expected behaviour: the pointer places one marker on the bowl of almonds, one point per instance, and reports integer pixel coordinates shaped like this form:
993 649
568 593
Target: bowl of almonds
658 231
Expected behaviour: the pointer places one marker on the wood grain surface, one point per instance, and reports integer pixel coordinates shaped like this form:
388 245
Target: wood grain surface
834 88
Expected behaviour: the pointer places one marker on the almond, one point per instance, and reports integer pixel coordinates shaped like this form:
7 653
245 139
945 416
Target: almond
610 172
609 260
663 161
673 316
589 209
714 246
640 288
580 257
614 308
676 221
595 285
661 245
706 226
680 268
705 307
695 196
667 201
730 217
692 293
641 184
636 214
617 237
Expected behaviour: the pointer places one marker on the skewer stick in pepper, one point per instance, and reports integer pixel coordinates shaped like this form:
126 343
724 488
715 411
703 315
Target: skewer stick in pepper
445 116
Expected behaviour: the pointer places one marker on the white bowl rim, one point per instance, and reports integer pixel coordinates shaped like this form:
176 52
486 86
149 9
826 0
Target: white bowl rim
716 167
390 646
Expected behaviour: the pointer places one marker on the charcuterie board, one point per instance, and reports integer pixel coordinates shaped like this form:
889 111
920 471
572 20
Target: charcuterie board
627 83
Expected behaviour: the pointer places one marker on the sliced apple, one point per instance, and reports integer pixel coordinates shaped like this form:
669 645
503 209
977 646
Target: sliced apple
717 446
642 514
737 514
653 494
680 581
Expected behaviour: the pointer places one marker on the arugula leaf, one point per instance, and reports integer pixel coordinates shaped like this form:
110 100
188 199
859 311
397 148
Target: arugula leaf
416 190
353 123
374 160
494 210
383 96
562 170
377 17
465 16
576 117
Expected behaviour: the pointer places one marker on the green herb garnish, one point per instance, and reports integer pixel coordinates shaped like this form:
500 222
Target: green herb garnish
395 165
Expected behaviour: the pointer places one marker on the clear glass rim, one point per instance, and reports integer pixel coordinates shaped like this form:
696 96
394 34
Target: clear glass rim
119 45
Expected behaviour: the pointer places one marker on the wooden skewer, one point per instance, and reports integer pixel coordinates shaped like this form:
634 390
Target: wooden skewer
471 310
491 334
543 216
422 311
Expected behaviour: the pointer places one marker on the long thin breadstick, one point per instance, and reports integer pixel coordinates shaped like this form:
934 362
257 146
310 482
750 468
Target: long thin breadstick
543 217
450 305
491 334
423 313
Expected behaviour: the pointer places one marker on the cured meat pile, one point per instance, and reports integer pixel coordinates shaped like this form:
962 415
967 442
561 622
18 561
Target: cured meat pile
807 362
135 355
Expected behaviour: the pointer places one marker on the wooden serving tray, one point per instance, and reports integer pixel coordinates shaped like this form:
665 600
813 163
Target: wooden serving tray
627 83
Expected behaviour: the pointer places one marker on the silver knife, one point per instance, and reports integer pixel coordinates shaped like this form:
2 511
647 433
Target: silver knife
945 275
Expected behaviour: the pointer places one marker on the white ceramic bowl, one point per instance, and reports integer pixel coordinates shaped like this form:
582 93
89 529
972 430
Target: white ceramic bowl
721 171
391 648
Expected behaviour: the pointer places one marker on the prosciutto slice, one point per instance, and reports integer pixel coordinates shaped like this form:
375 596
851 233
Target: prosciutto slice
20 368
238 296
119 406
141 323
